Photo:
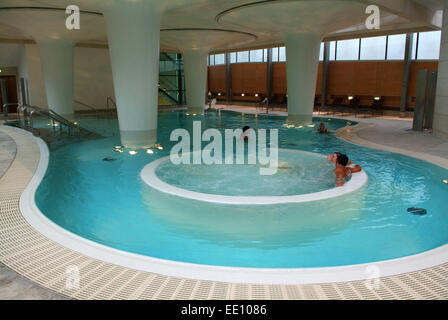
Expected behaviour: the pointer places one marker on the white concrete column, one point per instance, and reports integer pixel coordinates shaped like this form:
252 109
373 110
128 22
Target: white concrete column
57 66
134 37
195 69
302 61
440 124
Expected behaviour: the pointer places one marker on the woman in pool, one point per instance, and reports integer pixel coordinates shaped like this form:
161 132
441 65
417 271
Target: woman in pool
342 172
322 129
354 168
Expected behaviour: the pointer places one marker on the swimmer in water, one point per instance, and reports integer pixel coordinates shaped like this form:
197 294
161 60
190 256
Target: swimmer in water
342 172
322 129
354 168
245 133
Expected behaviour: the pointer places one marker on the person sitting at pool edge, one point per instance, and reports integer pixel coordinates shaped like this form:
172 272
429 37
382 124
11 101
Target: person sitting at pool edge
322 129
354 168
342 172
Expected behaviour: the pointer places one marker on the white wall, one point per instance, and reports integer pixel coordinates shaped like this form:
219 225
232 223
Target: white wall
9 54
93 81
93 78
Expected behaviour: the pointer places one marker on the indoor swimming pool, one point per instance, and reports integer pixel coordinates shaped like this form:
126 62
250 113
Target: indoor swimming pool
97 193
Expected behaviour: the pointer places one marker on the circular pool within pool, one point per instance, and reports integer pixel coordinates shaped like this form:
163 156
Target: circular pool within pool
296 176
107 201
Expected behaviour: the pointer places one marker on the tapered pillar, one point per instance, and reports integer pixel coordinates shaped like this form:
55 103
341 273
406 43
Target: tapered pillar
134 36
195 69
440 124
57 65
302 59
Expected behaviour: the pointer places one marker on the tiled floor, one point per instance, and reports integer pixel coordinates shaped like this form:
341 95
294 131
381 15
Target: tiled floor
12 285
15 287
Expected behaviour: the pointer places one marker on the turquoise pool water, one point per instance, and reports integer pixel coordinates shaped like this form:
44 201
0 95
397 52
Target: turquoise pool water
107 202
297 173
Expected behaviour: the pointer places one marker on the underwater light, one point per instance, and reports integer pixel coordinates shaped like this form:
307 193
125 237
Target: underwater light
311 125
194 114
133 152
300 127
118 147
75 122
149 151
159 147
445 181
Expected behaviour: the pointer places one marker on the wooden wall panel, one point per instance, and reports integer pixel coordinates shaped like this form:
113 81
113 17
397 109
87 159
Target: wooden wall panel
217 79
362 78
248 78
279 78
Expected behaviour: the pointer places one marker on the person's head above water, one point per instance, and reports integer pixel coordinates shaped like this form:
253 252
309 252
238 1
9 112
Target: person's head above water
322 125
342 160
245 128
333 157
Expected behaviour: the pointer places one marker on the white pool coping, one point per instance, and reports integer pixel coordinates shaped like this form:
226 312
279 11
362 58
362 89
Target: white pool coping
92 249
149 176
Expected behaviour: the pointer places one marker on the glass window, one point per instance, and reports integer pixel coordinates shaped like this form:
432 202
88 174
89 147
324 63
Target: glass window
332 50
414 46
233 57
274 54
220 59
373 48
429 45
282 54
242 56
321 53
256 55
396 47
211 60
347 50
265 55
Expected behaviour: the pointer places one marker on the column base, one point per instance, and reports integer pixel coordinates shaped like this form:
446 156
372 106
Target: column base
300 119
195 110
138 139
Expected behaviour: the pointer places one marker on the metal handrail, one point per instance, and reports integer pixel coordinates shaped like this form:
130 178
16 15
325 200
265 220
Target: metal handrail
6 108
109 99
52 115
86 105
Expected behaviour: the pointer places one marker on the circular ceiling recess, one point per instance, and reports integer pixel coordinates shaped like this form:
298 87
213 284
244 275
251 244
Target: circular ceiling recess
202 38
294 16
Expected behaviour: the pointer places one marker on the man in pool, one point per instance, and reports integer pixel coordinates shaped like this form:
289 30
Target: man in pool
354 168
342 172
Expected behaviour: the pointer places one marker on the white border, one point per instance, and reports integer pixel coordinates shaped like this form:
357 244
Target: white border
149 176
95 250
